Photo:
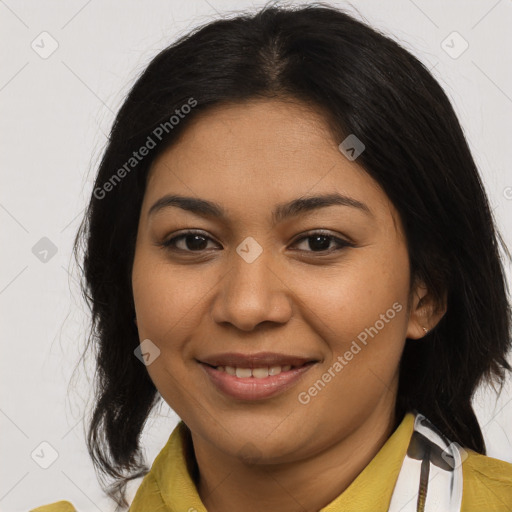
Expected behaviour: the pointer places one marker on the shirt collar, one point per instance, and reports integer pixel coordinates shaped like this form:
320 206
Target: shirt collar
174 469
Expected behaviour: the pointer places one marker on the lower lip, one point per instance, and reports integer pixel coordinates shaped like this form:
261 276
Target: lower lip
251 388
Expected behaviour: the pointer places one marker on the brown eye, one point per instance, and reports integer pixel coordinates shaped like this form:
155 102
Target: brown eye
190 241
321 242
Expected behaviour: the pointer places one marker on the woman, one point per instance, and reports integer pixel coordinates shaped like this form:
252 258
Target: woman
289 242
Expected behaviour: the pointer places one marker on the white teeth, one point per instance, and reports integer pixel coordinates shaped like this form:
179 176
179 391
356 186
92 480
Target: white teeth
258 373
274 370
243 372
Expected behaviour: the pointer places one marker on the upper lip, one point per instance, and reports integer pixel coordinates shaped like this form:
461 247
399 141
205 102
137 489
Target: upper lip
255 360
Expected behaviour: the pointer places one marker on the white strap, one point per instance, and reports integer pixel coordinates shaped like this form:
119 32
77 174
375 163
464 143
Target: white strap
445 482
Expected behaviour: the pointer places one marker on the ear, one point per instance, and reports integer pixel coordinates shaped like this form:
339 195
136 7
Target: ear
425 312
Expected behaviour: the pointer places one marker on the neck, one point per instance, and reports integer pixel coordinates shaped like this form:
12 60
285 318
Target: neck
225 483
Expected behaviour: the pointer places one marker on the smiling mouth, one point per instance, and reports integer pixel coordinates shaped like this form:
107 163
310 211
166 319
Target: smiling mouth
256 383
261 372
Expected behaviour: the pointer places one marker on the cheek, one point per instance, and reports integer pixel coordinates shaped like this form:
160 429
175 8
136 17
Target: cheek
162 313
167 299
354 295
360 314
169 304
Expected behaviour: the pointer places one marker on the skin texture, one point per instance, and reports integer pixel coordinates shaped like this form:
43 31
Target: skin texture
274 454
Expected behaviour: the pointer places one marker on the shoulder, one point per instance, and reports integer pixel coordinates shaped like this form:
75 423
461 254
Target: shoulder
58 506
487 484
148 496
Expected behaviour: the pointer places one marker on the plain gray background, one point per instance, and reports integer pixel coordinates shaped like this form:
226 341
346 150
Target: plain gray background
56 110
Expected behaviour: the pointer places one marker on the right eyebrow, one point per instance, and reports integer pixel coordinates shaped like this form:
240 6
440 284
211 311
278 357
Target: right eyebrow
200 207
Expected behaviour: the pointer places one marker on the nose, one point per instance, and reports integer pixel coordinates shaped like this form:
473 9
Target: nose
252 293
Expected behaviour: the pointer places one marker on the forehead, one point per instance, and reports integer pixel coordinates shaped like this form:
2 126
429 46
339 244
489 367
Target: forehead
245 134
258 152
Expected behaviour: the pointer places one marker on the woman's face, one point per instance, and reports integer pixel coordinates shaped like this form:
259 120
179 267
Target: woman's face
253 282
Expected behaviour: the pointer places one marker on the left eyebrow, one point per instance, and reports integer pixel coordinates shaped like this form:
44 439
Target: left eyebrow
305 204
298 206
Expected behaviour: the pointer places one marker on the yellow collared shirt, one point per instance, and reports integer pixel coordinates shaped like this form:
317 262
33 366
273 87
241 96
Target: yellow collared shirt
169 487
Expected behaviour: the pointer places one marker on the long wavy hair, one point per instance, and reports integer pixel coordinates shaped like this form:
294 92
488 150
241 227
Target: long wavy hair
365 84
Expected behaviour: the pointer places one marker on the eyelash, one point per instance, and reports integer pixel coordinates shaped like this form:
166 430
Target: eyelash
342 244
